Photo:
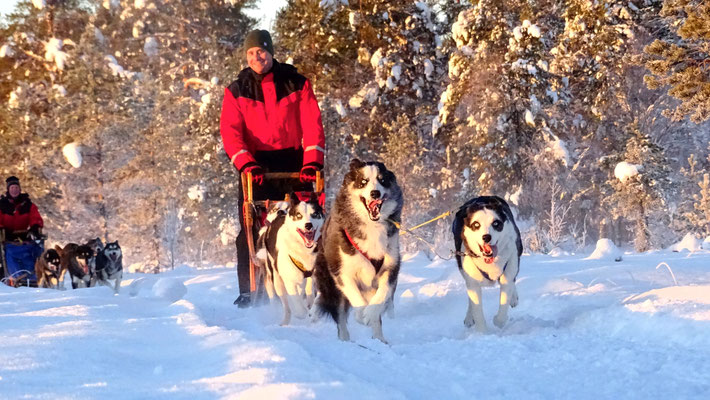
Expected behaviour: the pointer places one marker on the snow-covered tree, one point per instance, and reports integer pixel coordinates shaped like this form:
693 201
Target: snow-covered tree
139 98
679 60
640 185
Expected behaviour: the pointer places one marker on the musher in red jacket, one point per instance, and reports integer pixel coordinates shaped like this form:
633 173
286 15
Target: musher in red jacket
20 221
270 123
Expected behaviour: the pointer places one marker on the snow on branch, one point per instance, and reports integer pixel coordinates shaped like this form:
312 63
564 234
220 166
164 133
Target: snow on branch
72 154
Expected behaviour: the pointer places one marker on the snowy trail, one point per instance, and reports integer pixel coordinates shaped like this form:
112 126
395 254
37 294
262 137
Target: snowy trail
584 328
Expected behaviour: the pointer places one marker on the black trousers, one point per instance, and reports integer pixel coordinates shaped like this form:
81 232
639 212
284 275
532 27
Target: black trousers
287 160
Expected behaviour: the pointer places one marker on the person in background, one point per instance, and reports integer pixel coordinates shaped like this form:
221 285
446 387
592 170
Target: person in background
21 226
270 122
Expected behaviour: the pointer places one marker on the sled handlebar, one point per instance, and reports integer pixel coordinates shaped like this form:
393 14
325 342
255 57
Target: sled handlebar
247 184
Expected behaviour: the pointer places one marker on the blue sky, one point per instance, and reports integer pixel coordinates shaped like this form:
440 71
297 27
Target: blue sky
266 11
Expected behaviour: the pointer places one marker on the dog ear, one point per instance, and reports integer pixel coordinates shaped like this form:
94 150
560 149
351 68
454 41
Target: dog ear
314 197
59 250
293 199
356 164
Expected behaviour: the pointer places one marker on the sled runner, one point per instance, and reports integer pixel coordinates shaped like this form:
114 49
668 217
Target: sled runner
255 215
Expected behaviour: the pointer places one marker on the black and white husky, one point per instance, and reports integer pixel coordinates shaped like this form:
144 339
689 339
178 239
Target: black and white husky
287 249
109 266
491 253
358 263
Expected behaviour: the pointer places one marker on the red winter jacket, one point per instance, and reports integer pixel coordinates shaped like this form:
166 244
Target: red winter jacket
275 111
19 214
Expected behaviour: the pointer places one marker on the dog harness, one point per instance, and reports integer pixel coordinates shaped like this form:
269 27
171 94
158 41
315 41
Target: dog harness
299 265
375 263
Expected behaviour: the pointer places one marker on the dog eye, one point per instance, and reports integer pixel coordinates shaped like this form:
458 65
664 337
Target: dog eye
476 225
496 224
299 216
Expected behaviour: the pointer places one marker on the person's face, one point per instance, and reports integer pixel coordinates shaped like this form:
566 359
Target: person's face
259 60
14 190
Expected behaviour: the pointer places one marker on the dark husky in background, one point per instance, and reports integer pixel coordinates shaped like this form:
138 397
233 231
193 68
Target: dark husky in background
358 260
109 266
76 259
47 268
491 253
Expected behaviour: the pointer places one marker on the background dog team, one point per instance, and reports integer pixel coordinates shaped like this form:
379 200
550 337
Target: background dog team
88 265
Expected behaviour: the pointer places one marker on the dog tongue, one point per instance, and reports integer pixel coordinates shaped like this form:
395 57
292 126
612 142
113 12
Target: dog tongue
487 248
374 207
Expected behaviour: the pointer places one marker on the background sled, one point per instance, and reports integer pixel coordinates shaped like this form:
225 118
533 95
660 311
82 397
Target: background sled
253 221
16 277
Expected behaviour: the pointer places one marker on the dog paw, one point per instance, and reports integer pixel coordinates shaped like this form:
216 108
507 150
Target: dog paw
360 315
500 320
372 314
468 321
381 339
514 299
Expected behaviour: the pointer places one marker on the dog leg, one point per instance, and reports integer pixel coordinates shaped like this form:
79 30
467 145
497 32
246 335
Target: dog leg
514 296
474 315
269 282
352 293
281 292
117 287
297 300
342 322
310 293
377 303
506 290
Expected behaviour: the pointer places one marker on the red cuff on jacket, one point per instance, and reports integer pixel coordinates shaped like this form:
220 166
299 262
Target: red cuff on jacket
313 154
242 158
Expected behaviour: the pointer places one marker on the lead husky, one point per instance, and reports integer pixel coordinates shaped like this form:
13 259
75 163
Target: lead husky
492 249
109 266
287 248
358 262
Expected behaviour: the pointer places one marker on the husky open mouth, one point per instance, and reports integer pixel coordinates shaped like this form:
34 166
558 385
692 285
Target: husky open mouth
373 208
113 256
84 265
488 252
308 237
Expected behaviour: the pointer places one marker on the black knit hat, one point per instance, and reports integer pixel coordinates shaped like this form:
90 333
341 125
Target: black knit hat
259 38
13 180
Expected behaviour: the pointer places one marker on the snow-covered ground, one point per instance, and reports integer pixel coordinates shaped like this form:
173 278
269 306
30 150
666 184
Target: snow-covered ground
584 329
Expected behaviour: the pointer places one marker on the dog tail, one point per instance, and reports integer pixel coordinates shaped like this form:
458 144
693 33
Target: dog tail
329 296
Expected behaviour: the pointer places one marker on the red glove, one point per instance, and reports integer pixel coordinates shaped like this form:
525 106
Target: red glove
308 172
257 173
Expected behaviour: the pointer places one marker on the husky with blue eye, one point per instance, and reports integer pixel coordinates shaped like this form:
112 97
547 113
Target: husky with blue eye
358 262
491 252
287 248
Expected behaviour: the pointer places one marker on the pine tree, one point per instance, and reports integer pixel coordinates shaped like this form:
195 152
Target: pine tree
680 60
639 197
495 106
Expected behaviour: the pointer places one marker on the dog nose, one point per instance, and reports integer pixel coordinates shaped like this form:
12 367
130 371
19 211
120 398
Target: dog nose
309 226
375 194
487 238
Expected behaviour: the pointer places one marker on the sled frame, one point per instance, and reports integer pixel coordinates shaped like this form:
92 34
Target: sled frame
256 274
